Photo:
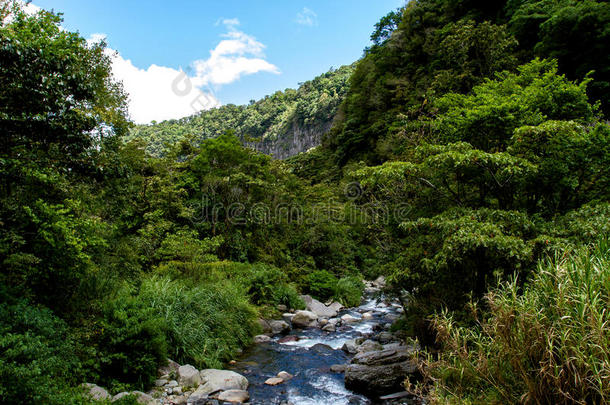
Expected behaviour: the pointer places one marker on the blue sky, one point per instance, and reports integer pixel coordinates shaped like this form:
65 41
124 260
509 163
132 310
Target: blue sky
230 51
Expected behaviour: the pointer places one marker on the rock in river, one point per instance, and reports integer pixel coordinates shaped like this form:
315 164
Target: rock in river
304 319
318 308
380 372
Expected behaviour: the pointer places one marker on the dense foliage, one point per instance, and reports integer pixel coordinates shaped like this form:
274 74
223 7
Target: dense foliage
471 143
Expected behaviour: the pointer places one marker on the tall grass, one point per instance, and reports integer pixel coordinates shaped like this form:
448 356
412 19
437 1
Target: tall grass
206 323
549 344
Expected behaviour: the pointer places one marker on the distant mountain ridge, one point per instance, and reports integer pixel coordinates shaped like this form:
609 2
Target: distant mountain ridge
282 124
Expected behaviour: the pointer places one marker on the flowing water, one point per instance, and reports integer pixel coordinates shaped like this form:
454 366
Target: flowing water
309 359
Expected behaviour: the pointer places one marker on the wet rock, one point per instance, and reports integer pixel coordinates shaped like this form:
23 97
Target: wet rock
96 392
221 380
329 328
321 348
278 327
350 346
304 319
284 375
334 321
274 381
338 368
188 376
322 322
347 318
287 339
261 339
318 308
234 396
367 316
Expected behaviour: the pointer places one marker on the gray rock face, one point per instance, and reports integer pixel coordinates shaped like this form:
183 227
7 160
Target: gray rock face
318 308
188 376
295 140
380 372
304 319
221 380
234 396
278 327
96 392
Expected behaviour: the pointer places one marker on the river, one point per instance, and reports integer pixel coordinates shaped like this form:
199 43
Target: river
309 359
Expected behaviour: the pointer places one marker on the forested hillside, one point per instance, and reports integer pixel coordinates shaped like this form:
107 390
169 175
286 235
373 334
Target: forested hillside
468 162
282 124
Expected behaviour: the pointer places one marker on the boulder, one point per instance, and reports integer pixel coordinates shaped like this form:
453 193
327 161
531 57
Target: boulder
221 380
378 379
188 376
278 327
290 338
386 337
334 321
347 318
350 346
338 368
264 325
335 306
282 308
171 384
385 356
284 375
318 308
143 398
171 367
329 328
379 282
367 316
119 396
261 339
287 317
96 392
161 382
369 346
304 319
274 381
234 396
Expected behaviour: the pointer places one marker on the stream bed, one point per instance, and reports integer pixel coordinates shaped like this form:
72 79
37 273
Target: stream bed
309 359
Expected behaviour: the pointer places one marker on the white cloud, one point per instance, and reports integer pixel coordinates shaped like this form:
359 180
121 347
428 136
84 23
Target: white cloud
307 17
160 93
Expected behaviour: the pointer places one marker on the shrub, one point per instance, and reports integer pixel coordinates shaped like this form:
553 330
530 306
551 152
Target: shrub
349 291
206 324
131 344
321 284
38 363
269 285
548 345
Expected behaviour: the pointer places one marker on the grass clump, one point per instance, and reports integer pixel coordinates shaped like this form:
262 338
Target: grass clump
549 344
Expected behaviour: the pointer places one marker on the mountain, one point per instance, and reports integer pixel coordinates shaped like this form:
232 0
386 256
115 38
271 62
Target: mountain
282 124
